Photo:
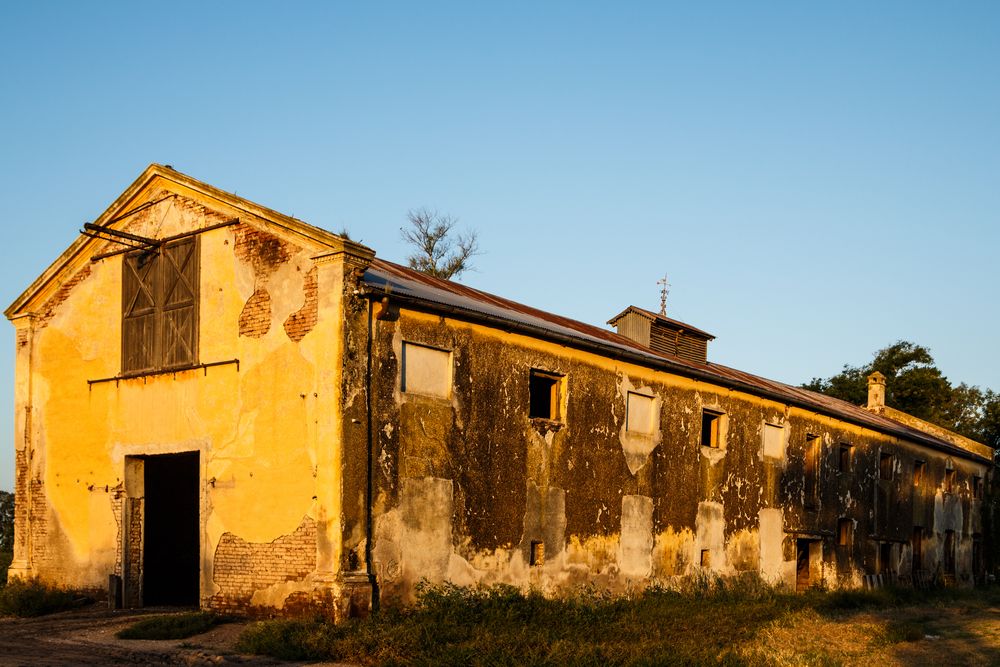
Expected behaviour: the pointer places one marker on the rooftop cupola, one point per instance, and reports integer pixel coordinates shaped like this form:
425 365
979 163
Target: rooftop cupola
662 334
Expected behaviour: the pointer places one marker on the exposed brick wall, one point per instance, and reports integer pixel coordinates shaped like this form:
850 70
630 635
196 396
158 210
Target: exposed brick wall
255 320
38 508
133 553
21 500
263 251
242 567
54 301
303 320
116 497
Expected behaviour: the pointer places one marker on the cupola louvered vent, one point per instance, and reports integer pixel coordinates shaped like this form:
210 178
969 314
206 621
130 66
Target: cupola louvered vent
662 334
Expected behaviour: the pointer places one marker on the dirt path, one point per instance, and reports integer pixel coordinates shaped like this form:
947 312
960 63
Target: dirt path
87 637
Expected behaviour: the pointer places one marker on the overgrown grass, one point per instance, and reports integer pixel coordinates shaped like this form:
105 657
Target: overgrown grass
175 626
704 621
33 598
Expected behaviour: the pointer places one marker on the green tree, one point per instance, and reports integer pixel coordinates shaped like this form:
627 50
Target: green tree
6 521
917 387
437 251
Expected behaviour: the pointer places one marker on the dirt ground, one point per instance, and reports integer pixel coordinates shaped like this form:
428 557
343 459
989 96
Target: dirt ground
87 637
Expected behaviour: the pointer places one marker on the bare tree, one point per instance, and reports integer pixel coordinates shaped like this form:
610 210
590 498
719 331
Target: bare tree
438 252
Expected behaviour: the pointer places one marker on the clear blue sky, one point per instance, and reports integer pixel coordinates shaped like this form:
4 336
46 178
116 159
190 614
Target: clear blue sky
817 180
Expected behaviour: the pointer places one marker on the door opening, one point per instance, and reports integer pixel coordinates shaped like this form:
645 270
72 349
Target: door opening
802 579
171 544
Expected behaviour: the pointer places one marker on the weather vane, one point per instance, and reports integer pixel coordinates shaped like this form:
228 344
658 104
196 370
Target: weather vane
664 291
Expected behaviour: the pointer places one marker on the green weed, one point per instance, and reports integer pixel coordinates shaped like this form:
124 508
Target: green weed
174 626
33 598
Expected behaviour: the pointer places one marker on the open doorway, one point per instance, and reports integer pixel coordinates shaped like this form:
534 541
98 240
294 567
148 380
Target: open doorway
802 579
171 548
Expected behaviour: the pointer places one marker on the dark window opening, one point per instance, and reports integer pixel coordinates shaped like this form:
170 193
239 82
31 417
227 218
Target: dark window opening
171 547
706 559
949 552
919 468
845 533
813 444
803 576
886 462
845 457
977 487
710 422
537 554
917 549
544 400
885 558
949 481
160 307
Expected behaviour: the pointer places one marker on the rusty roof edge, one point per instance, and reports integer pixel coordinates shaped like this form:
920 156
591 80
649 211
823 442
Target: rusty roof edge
662 363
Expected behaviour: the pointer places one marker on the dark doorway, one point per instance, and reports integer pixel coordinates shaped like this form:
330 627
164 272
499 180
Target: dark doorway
885 561
949 552
802 580
171 549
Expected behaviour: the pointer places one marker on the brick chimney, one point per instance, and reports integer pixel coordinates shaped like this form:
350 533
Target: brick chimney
876 392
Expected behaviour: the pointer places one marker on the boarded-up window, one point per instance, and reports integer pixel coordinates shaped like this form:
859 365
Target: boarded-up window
426 370
160 307
640 414
774 441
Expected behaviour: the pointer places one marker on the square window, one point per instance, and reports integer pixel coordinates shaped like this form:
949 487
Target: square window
640 417
774 441
426 370
846 459
919 469
544 395
711 423
886 462
845 532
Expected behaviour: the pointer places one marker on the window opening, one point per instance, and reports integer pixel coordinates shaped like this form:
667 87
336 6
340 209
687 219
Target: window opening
919 468
845 460
774 441
710 422
949 481
885 558
885 466
639 415
812 456
544 395
845 532
426 370
977 487
537 554
160 307
706 558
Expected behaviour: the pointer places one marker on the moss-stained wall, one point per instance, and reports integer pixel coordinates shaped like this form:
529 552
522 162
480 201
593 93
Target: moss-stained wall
466 487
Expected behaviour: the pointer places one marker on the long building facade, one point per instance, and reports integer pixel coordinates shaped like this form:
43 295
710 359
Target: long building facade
221 405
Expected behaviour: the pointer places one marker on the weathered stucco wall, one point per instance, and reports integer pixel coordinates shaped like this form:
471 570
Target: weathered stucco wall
467 487
267 429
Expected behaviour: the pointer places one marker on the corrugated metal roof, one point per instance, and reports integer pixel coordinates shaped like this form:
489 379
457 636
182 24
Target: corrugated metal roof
413 286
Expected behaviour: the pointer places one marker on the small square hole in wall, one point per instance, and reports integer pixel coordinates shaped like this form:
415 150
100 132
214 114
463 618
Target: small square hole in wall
706 559
536 555
846 457
710 426
544 393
